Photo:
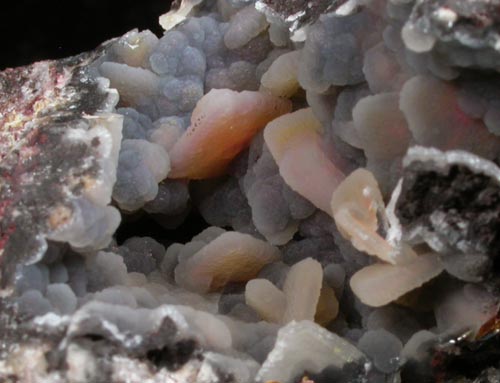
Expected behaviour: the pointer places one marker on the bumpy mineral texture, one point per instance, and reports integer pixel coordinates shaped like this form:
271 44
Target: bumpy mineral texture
271 191
451 200
59 147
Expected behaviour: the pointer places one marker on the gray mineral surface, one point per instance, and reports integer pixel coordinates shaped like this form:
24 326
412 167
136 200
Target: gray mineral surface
270 192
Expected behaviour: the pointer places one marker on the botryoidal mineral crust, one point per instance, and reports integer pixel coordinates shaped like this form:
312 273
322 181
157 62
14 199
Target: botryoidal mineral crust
342 157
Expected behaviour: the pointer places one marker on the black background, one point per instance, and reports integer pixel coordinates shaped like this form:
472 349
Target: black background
32 30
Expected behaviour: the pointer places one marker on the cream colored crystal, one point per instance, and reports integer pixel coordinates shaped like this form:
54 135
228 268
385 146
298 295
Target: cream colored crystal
381 283
133 84
176 16
356 205
295 143
302 289
134 48
281 77
231 257
266 299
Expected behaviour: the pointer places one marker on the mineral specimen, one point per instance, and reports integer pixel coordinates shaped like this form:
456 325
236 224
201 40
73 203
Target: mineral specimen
271 191
59 152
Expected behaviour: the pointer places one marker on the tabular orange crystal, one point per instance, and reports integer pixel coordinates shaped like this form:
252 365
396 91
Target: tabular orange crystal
295 142
222 125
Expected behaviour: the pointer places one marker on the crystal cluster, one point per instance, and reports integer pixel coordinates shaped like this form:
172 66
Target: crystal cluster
342 155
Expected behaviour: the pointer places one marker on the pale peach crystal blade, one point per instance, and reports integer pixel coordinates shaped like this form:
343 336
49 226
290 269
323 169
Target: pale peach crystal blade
231 257
356 205
281 77
222 125
379 284
266 299
302 289
294 140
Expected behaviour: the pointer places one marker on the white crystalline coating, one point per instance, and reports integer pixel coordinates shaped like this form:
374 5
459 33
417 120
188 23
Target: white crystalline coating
81 364
302 346
281 77
444 160
395 231
92 222
135 85
379 284
107 129
265 298
428 103
231 257
417 40
244 26
302 289
130 369
91 227
123 324
242 370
